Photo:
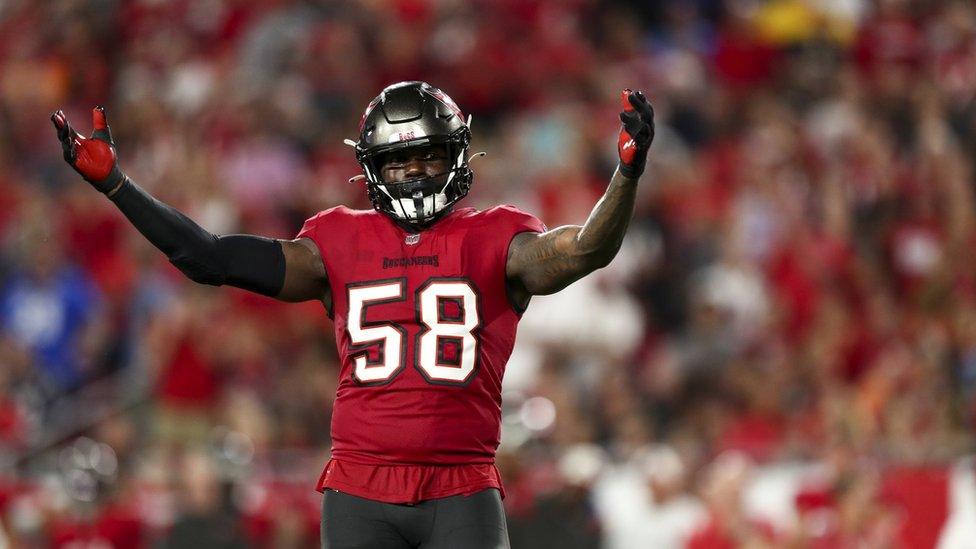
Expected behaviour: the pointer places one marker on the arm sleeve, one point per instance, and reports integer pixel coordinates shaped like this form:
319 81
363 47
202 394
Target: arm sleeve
250 262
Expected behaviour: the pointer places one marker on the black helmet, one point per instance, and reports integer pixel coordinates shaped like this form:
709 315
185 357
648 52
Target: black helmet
414 114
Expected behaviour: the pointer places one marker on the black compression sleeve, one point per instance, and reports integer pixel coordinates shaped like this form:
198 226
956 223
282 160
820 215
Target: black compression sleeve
251 262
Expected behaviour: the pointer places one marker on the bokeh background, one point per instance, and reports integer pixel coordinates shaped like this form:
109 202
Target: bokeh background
783 354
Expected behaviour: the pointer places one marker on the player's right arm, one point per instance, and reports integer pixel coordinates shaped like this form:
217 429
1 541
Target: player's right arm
289 270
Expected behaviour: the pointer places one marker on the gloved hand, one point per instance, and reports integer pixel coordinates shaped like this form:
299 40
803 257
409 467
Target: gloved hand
636 133
94 158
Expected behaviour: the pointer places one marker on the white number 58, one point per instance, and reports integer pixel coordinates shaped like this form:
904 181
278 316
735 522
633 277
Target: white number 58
445 349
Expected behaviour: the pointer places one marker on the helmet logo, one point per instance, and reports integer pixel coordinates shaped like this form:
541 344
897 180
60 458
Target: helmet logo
412 133
412 239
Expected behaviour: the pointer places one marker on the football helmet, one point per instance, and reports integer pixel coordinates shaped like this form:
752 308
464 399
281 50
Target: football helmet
414 114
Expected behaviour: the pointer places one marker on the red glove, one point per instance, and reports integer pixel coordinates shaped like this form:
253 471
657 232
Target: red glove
636 133
94 158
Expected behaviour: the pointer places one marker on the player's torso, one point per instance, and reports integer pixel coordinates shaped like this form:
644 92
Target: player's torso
424 328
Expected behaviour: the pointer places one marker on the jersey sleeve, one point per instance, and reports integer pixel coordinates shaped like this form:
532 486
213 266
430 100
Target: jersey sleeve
325 230
311 226
321 227
514 221
518 221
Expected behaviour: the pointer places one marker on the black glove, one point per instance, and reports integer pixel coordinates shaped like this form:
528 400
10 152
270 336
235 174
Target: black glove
94 158
636 133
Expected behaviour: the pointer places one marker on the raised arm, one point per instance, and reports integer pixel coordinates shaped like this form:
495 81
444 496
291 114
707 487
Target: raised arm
544 263
287 270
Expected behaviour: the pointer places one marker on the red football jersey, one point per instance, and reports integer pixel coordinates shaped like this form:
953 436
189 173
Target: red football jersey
424 327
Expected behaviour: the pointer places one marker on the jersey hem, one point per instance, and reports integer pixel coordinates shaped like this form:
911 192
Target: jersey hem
358 491
410 492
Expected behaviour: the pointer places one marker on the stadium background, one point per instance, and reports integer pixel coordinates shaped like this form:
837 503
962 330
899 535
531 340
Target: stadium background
782 355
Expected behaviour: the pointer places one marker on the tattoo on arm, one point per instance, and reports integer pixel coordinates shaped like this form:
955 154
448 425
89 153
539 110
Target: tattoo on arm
545 263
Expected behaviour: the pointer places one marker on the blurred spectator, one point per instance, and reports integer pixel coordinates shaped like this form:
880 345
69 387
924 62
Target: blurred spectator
727 525
51 308
207 519
645 501
565 517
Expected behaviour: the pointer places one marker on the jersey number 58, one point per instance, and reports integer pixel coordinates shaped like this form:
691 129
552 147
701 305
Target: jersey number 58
445 349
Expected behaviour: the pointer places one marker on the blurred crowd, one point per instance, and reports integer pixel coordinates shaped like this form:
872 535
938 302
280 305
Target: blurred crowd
783 354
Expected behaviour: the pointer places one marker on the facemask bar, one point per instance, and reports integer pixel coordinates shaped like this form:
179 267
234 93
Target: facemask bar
428 198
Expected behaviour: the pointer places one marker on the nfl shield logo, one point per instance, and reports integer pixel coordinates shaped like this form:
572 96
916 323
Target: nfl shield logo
412 239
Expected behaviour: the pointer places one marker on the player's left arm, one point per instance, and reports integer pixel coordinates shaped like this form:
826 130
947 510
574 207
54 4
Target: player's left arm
544 263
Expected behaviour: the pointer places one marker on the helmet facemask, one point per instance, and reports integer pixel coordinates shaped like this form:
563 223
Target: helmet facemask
404 117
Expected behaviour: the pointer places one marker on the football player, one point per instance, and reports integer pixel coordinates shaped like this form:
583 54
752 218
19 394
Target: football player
425 299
